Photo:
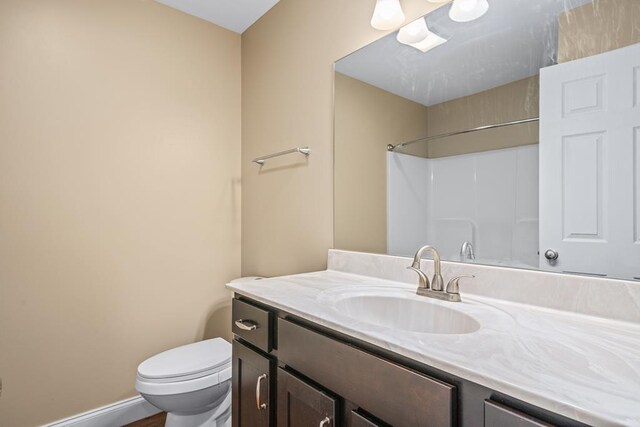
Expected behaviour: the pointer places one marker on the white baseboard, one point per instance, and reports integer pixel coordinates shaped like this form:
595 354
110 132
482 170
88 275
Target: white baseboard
114 415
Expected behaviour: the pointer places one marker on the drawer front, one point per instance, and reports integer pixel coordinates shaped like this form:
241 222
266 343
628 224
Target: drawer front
358 420
390 392
497 415
301 404
252 324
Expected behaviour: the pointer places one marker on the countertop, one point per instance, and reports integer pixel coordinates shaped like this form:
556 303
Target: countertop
582 367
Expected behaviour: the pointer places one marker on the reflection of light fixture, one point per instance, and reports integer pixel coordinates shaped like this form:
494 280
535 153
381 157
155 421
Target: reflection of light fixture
417 35
432 40
387 15
468 10
414 32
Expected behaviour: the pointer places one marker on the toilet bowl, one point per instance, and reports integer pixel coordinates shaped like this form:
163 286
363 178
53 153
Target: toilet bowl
192 383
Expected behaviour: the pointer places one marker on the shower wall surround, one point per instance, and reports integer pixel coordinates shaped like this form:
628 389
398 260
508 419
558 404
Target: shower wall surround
489 199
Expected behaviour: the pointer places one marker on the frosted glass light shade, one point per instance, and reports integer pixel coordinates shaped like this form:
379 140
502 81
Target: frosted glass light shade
431 41
387 15
414 32
417 35
467 10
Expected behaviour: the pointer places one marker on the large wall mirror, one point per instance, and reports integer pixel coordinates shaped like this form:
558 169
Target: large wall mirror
512 139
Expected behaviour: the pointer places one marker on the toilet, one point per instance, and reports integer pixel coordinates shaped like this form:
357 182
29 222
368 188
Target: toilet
192 383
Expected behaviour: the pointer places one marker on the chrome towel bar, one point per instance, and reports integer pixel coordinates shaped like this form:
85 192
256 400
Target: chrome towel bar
301 150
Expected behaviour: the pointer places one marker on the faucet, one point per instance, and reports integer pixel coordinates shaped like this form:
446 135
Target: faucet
438 282
466 251
435 289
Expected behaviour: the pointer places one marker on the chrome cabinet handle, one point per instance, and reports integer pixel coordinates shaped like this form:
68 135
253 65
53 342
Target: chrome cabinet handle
246 325
325 422
551 254
259 405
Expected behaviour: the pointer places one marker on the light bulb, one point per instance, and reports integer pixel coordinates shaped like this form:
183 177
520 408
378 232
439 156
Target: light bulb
467 10
387 15
414 32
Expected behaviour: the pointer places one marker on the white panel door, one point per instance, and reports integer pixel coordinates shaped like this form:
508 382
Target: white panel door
589 164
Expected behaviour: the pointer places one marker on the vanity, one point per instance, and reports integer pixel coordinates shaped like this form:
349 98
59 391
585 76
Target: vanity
355 346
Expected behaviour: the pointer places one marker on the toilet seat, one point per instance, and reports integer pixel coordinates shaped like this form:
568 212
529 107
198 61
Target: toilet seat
187 368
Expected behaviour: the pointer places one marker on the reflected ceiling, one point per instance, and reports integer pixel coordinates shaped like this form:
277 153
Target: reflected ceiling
512 41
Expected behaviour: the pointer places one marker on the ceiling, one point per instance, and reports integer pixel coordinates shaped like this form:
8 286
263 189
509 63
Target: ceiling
234 15
512 41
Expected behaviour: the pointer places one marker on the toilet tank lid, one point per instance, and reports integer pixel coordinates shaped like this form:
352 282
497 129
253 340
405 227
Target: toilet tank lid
187 360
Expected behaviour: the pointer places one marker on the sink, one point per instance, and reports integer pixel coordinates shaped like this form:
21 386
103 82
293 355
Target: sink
408 313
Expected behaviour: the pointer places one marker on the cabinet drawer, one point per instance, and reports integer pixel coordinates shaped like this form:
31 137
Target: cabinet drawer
252 324
497 415
392 393
300 404
357 420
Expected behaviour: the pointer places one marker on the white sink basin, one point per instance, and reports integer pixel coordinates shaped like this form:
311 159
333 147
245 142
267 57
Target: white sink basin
408 313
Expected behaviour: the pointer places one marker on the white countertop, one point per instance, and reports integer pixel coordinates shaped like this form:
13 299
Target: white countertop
586 368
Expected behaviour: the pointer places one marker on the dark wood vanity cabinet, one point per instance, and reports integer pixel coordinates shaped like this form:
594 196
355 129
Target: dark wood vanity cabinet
293 373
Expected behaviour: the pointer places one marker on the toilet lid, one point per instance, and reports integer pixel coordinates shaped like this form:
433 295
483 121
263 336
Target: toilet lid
204 357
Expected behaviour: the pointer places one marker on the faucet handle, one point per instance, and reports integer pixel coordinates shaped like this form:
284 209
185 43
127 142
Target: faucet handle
452 286
423 279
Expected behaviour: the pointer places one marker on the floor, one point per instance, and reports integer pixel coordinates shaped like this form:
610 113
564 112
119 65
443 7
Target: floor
152 421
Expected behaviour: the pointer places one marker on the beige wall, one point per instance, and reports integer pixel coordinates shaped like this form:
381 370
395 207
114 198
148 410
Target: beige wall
287 78
598 27
514 101
366 120
119 196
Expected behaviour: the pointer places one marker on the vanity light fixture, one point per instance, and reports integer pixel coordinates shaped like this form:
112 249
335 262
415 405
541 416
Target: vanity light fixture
387 15
467 10
431 41
417 35
413 32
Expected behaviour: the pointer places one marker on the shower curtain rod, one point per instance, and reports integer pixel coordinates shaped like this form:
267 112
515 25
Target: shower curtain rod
460 132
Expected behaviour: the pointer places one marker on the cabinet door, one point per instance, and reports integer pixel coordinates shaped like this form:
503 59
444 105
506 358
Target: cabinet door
251 388
302 405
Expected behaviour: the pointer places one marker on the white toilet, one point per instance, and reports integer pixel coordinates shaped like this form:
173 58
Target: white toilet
191 383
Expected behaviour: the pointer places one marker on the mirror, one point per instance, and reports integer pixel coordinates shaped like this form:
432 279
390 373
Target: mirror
512 139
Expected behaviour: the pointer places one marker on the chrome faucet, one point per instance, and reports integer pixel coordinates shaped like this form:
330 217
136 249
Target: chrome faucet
466 251
435 289
437 281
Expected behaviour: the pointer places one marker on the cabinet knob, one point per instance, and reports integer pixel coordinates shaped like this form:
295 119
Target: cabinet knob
551 254
326 422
